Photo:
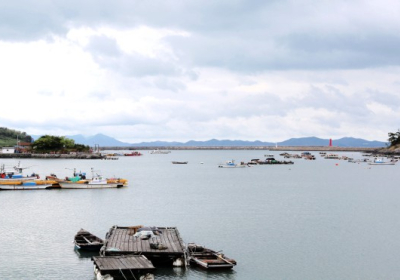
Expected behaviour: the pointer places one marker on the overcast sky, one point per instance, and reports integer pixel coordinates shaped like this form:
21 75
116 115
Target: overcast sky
196 70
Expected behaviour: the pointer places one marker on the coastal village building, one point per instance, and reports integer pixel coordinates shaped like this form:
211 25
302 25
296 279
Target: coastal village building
23 147
7 150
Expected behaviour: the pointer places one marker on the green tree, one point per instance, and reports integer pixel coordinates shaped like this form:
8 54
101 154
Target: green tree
394 138
48 143
67 143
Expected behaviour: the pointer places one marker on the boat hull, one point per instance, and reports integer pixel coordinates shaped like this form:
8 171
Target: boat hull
87 241
381 163
208 259
230 166
67 185
26 187
18 179
210 264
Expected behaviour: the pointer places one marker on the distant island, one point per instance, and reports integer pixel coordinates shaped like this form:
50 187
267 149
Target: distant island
106 141
12 140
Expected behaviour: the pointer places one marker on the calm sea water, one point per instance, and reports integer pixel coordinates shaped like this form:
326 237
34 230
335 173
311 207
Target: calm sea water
322 219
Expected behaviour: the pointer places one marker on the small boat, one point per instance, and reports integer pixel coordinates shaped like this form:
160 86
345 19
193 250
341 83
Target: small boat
110 158
157 151
332 156
97 182
133 154
28 185
84 240
380 161
207 258
179 162
305 154
15 173
79 181
273 161
231 164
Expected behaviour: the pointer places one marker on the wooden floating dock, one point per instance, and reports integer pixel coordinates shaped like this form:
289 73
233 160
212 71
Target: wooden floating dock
121 241
122 267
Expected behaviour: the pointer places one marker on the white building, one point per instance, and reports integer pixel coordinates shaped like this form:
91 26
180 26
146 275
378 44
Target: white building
7 150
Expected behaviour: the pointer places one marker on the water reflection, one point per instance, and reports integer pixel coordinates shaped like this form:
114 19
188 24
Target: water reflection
193 272
85 254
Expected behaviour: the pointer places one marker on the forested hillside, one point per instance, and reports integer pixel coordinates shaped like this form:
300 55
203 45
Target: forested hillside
8 137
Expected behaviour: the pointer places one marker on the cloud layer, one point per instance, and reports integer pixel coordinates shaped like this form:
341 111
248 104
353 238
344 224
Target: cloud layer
177 71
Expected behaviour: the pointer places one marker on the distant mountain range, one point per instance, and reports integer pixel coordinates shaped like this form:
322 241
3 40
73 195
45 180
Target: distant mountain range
107 141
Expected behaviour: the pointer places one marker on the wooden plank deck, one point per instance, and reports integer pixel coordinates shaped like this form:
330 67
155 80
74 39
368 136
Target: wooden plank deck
117 263
121 241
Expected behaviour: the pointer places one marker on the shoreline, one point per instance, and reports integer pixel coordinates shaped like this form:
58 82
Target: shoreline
381 150
53 156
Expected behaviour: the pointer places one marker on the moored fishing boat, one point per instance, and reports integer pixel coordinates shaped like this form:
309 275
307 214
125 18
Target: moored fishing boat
85 240
28 185
157 151
331 156
79 181
207 258
231 164
15 173
381 161
133 154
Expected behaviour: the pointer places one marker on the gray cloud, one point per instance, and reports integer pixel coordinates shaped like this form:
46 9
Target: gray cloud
106 53
244 36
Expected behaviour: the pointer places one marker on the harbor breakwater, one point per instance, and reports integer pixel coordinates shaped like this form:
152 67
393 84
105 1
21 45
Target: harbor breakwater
261 148
54 156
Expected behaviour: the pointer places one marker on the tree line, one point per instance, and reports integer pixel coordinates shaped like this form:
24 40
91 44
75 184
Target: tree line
58 144
394 138
45 144
9 137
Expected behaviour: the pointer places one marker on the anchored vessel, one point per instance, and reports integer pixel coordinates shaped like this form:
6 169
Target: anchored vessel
207 258
381 161
231 164
85 240
15 173
12 178
79 181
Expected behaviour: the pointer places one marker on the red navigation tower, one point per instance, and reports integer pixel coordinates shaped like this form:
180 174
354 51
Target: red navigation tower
330 142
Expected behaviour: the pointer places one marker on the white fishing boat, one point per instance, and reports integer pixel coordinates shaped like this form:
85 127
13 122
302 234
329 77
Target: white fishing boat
79 181
332 156
381 161
157 151
15 173
231 164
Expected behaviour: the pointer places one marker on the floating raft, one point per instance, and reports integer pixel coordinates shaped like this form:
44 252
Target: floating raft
122 267
122 241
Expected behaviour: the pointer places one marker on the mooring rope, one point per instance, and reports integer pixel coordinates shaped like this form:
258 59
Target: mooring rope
132 274
120 270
